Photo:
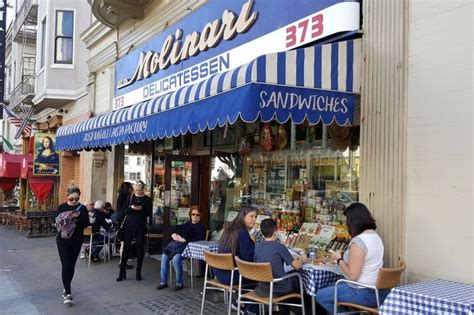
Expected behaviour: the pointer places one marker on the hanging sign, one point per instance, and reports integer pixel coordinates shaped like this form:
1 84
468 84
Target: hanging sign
46 159
223 35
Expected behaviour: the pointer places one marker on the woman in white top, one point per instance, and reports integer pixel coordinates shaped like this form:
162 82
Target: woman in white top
360 263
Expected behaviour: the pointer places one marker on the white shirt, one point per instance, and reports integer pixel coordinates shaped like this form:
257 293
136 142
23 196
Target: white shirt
372 246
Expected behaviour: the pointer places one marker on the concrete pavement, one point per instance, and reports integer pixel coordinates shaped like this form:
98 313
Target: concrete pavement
30 282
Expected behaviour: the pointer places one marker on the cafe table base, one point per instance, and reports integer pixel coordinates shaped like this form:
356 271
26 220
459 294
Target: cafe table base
430 297
195 251
316 277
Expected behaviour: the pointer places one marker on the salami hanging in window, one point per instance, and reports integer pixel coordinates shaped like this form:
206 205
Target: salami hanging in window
266 138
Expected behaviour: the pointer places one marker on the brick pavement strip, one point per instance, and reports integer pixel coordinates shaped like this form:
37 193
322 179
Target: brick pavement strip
30 281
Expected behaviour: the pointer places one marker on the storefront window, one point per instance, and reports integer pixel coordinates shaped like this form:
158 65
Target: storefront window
303 182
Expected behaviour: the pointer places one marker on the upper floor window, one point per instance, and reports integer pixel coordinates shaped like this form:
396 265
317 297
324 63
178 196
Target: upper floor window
63 40
126 160
139 161
43 43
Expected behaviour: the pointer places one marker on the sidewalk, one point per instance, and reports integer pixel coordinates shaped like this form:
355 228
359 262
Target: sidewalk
30 277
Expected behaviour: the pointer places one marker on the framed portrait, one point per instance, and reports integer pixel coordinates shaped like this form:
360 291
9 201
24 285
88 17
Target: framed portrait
45 158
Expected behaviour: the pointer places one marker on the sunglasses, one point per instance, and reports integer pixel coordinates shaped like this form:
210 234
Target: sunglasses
73 199
195 214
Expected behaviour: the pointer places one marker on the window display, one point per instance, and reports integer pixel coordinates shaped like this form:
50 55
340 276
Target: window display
304 189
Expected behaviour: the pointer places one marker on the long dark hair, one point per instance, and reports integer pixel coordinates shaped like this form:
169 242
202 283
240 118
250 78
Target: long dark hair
359 219
230 236
125 188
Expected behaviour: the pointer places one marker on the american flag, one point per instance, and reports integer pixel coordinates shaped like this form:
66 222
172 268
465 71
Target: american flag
17 121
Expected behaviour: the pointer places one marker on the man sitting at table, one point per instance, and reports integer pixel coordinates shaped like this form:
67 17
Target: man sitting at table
277 255
100 220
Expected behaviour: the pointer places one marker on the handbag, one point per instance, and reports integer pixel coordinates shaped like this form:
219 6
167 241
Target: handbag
174 248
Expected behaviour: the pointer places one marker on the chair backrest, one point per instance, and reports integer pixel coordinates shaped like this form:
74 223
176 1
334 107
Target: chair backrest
88 231
390 277
219 261
255 271
207 235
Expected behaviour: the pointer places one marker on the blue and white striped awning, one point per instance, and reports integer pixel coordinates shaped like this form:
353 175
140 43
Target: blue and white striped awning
318 83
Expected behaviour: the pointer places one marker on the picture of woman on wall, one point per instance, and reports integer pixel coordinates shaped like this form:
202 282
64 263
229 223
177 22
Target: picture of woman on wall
46 159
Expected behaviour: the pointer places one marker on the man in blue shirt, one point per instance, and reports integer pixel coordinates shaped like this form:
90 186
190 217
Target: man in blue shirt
277 255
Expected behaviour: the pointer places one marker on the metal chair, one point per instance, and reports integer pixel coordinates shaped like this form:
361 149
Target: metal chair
90 243
223 262
387 278
262 272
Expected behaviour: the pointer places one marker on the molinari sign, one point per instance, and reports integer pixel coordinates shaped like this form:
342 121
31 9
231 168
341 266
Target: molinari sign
215 38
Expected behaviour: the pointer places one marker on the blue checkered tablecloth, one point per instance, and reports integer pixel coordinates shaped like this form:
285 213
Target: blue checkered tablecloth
195 250
317 277
430 297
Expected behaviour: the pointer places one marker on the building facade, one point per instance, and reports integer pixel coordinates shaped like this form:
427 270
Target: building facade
410 173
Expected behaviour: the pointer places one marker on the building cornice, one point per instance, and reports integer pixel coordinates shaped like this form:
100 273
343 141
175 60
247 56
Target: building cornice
94 33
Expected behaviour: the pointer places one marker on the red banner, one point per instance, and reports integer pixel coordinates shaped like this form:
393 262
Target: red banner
41 188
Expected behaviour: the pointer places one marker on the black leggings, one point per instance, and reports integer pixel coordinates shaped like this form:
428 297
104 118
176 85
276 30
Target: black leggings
68 253
127 246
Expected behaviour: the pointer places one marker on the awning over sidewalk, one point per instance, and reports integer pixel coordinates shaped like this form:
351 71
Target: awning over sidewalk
10 165
319 83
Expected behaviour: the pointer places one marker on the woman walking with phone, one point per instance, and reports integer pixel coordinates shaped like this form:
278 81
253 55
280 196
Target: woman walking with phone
71 218
134 227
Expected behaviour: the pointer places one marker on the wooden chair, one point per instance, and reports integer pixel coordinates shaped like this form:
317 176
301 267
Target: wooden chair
387 278
219 261
262 272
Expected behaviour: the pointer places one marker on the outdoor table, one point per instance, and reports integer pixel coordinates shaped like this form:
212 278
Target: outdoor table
316 277
430 297
195 251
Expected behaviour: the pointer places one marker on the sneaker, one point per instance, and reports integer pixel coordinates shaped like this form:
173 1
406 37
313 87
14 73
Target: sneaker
242 310
64 295
179 287
96 259
162 286
68 301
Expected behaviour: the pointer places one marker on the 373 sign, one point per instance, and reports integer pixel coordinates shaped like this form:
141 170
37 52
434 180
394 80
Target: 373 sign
304 31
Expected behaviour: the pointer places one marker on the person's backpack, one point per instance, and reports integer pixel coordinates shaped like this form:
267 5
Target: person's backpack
66 223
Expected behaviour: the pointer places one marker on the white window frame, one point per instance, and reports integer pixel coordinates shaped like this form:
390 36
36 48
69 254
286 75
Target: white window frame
43 45
65 65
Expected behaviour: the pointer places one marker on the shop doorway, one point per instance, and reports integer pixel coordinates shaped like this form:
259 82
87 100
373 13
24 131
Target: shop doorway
181 191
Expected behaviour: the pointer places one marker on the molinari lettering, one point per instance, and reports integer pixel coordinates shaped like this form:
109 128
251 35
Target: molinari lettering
286 100
174 50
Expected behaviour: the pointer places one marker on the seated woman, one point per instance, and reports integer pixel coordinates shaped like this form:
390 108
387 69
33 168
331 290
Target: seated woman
191 231
236 240
360 263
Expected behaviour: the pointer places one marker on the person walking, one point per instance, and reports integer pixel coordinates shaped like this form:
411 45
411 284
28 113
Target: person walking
71 218
138 211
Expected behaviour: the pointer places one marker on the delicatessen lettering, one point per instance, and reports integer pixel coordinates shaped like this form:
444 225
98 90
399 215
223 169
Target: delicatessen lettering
287 100
130 128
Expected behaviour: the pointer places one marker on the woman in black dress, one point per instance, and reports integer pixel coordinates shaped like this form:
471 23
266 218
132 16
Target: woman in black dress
139 210
69 239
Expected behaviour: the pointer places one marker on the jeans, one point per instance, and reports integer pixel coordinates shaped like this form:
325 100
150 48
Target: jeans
178 268
345 293
68 253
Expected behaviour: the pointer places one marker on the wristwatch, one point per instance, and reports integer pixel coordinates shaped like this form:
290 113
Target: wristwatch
339 260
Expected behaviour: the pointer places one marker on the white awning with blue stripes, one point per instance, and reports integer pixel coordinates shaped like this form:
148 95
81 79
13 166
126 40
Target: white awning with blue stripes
318 83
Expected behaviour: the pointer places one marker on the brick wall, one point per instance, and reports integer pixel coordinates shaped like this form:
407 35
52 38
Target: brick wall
69 173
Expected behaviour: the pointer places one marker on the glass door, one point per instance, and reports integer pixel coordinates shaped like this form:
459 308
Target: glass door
182 191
